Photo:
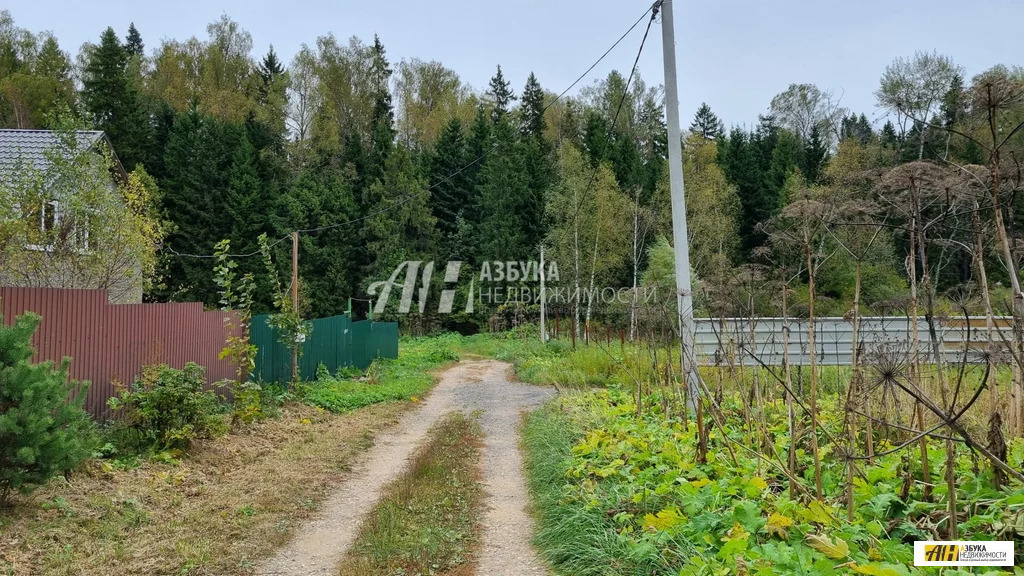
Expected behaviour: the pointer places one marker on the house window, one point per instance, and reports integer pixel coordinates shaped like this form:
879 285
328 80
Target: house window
81 232
50 217
43 219
51 227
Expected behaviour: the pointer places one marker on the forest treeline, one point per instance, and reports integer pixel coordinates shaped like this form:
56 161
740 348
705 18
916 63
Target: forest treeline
383 162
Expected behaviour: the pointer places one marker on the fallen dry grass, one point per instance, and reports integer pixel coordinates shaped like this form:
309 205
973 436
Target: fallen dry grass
228 504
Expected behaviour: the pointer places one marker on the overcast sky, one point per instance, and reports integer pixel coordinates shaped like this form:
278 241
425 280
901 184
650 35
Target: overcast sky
734 55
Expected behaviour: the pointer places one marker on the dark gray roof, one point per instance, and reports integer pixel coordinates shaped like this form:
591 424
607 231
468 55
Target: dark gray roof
30 146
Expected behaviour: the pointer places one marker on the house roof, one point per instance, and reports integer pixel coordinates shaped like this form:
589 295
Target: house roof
31 146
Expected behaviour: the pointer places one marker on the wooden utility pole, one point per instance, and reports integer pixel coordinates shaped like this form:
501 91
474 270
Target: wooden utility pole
543 297
295 301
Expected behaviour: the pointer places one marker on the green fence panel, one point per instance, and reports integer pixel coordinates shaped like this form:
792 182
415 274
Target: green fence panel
334 342
326 345
362 354
384 336
273 360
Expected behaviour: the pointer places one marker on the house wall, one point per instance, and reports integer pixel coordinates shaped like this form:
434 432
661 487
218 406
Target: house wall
123 287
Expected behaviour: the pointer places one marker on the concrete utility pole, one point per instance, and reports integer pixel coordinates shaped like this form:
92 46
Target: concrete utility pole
543 298
675 171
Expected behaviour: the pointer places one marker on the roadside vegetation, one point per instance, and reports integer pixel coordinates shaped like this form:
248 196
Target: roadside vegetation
177 482
216 509
427 520
626 481
387 380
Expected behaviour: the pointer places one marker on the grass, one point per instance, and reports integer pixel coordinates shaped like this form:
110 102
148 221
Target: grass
618 490
569 536
554 363
425 522
405 378
227 503
230 502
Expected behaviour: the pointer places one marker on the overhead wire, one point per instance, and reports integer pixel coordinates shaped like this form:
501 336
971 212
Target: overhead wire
245 255
618 110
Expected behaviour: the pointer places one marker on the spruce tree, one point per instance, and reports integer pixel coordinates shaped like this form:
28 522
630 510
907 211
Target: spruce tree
478 148
739 160
857 128
787 156
270 67
321 195
540 172
113 102
815 155
244 203
133 44
596 138
706 123
503 186
43 429
272 98
532 108
382 124
407 230
888 137
500 95
51 62
163 121
539 163
197 168
451 193
626 162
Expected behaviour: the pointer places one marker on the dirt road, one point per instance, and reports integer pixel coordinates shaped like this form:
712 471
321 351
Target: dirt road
484 386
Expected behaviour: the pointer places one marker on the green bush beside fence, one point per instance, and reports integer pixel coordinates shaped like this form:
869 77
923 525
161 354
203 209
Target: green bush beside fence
335 342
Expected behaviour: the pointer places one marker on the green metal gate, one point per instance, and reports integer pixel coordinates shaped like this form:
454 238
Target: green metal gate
334 342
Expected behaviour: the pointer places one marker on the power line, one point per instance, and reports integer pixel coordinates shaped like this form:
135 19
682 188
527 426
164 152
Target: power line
246 255
448 178
615 118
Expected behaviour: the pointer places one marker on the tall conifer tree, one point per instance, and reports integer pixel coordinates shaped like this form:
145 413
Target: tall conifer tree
112 100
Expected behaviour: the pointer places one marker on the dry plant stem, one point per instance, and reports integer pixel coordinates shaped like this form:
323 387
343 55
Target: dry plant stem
1008 260
917 435
791 413
850 476
926 279
716 413
951 532
915 364
812 366
986 299
946 420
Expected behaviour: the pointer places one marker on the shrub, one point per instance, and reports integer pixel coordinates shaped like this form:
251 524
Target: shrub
43 428
442 354
255 400
167 408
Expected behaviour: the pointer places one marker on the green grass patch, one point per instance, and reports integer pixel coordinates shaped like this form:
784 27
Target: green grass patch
387 380
425 522
573 538
620 493
618 489
552 363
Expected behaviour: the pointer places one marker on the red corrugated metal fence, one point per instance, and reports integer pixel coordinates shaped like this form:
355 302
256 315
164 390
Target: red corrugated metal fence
110 343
